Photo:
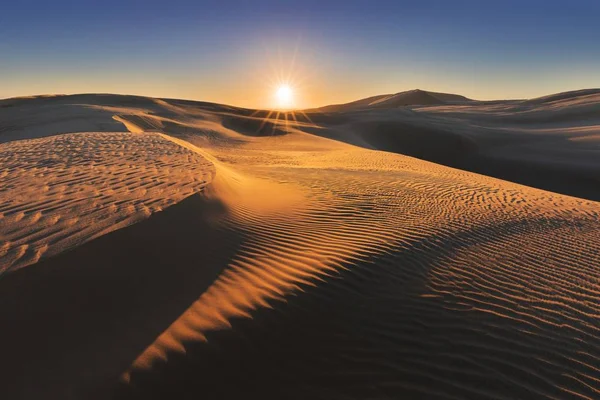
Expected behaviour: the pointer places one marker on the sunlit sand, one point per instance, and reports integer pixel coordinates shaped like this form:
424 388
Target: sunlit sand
410 245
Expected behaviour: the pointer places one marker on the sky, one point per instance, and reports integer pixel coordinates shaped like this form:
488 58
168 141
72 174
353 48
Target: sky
239 52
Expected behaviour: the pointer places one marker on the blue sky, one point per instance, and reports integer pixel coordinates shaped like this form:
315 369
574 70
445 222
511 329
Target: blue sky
234 52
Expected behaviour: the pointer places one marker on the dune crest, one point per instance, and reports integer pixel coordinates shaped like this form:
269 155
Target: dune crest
409 98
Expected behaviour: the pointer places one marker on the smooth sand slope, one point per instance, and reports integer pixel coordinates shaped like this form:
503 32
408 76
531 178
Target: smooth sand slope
306 267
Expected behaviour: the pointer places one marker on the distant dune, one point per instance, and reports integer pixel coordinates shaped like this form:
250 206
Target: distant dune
565 96
549 143
408 98
168 249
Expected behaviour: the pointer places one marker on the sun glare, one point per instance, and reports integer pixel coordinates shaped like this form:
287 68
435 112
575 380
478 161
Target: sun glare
285 88
285 96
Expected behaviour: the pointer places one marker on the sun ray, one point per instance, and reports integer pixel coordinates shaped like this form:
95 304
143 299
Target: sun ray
306 116
293 114
275 123
285 77
264 122
293 61
280 77
287 124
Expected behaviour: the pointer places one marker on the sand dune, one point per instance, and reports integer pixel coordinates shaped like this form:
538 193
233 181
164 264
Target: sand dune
552 145
309 263
61 191
408 98
565 96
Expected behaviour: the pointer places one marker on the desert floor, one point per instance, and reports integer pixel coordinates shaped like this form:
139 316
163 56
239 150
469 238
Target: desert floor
156 248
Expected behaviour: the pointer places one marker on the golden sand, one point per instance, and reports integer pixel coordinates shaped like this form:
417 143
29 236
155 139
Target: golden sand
302 266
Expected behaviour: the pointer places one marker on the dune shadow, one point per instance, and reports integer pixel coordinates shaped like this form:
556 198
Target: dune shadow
274 124
538 168
73 323
379 330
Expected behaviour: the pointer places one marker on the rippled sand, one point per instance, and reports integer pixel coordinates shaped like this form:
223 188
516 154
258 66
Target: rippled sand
61 191
305 267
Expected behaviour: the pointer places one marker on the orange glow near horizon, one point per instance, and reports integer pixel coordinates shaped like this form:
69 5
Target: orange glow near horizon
288 77
287 85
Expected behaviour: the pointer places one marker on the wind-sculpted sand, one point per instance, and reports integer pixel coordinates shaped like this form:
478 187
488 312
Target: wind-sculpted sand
311 268
61 191
551 143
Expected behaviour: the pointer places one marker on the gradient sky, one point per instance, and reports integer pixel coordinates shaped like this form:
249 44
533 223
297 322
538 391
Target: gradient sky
234 51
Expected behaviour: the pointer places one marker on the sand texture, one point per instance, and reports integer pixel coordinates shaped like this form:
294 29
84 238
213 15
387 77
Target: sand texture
300 256
60 191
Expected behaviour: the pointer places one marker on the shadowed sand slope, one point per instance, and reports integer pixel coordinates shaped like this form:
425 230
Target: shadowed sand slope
310 268
74 322
552 144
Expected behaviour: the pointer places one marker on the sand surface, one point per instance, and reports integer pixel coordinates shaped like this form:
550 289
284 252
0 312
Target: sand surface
552 143
60 191
305 262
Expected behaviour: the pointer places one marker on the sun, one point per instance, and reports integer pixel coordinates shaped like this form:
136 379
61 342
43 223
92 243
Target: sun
284 96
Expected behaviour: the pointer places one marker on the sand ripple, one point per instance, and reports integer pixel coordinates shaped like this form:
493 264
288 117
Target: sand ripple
61 191
420 282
